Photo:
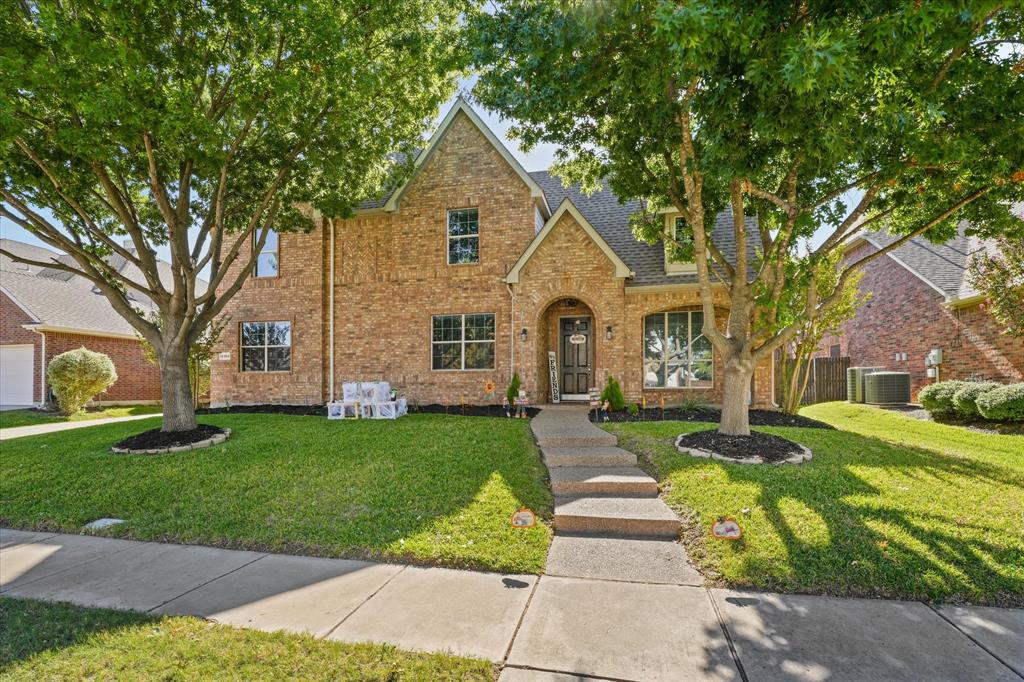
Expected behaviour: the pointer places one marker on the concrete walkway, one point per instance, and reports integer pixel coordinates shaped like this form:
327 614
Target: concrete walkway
39 429
547 628
609 521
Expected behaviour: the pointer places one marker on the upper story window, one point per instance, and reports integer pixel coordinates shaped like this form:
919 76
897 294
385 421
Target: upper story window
675 225
676 352
463 236
462 341
266 346
266 259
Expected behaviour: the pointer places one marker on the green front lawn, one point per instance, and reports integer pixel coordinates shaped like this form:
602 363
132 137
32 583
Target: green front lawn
889 507
430 489
44 641
11 418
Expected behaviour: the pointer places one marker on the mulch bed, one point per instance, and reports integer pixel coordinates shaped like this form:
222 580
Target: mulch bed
321 410
757 417
768 447
156 439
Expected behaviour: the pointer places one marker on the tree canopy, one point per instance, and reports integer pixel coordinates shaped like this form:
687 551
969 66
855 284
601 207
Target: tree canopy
201 125
817 117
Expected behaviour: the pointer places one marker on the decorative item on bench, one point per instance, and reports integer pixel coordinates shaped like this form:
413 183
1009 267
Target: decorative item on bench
521 403
367 400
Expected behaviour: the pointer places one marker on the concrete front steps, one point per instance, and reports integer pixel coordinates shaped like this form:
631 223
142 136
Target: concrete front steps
594 456
598 488
623 481
629 516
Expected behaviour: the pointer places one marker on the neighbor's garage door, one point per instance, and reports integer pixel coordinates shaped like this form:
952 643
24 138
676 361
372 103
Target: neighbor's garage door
16 375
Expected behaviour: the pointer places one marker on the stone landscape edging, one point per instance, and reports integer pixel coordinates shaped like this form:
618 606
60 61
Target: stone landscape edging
803 456
209 442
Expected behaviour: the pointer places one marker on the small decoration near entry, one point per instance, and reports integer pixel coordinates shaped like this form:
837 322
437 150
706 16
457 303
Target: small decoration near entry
489 388
577 339
726 528
556 397
524 518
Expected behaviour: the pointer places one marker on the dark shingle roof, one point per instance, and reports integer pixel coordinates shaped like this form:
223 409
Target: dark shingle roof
610 218
58 298
944 266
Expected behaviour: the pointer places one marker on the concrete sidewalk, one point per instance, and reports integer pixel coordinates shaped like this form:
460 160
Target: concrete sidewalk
547 628
39 429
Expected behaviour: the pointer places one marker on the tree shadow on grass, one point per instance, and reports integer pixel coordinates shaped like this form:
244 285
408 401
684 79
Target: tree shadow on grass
446 486
864 517
29 627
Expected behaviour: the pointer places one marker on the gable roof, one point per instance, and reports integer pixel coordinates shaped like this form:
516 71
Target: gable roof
567 206
391 202
610 219
63 301
943 267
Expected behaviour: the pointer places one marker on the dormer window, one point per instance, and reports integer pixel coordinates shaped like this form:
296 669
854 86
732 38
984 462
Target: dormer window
463 236
675 225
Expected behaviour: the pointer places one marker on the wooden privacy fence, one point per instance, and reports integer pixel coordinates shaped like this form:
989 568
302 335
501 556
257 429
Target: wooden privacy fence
827 381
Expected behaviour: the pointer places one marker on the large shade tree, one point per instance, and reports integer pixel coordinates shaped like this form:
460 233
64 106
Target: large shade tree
814 116
200 125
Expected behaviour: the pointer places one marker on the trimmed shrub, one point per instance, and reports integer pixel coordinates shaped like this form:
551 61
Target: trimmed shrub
1003 404
964 399
77 376
633 409
937 398
512 392
613 394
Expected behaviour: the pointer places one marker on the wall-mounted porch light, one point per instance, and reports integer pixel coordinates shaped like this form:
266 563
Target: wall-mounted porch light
522 334
608 332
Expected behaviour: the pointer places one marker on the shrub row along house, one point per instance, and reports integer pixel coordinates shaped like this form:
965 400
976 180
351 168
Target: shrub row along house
45 312
922 301
469 271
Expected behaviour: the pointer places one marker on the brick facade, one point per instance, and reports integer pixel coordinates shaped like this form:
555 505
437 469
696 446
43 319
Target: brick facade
138 380
906 315
392 276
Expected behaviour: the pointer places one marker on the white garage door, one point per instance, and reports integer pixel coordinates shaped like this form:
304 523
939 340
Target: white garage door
16 375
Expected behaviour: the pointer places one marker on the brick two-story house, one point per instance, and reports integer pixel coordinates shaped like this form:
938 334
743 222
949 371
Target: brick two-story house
470 270
922 300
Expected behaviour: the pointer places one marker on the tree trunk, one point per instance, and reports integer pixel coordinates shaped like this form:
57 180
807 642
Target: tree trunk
176 391
735 391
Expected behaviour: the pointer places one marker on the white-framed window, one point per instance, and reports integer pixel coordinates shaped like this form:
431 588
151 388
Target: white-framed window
463 236
674 224
266 260
266 346
460 342
676 352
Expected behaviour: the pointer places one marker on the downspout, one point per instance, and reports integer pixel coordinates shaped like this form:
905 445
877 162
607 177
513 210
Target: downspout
330 316
511 332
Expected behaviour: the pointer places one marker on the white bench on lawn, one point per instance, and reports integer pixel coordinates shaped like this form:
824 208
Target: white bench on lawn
366 400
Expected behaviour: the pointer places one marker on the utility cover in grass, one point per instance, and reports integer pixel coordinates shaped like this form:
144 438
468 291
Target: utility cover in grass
757 448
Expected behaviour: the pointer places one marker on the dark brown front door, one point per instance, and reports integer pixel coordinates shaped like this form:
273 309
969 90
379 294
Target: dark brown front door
575 339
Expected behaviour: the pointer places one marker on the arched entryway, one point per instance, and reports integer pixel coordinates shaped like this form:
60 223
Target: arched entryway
568 329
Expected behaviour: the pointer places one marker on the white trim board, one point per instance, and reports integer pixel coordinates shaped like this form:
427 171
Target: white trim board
462 107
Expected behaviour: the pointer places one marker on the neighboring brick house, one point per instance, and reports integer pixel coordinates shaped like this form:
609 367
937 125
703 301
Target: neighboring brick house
920 301
45 312
472 269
